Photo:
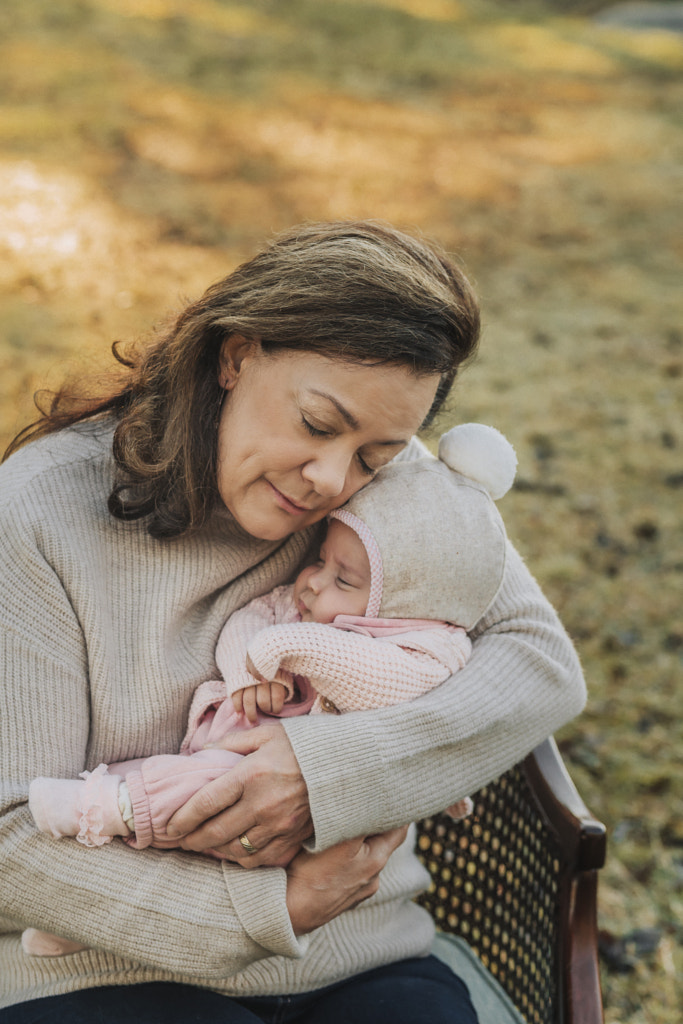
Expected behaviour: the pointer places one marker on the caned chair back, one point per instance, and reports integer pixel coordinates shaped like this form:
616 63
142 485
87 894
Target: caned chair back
518 881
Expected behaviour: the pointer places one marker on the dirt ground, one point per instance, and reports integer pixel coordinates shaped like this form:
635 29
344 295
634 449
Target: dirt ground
146 146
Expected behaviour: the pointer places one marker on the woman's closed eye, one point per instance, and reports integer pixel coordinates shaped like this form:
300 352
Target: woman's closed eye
367 470
315 431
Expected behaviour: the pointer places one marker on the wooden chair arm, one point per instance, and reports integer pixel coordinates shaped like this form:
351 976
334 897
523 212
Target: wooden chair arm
584 842
579 832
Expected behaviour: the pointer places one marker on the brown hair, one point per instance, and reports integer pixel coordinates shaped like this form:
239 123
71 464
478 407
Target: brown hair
358 291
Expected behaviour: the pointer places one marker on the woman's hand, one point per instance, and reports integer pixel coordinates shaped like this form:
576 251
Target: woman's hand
264 797
320 886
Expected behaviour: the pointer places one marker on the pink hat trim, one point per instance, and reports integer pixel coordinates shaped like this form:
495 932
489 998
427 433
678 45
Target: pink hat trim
374 557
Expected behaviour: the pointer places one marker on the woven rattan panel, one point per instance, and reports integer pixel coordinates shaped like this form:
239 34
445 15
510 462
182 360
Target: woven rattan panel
495 881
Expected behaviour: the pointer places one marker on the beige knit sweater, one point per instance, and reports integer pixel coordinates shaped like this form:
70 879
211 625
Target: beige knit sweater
104 636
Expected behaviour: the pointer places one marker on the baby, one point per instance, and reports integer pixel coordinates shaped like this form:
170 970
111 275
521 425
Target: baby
408 565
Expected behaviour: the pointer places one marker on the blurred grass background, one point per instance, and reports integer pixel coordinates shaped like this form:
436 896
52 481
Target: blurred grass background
147 146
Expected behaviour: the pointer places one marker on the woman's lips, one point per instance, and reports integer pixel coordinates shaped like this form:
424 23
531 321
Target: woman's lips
286 503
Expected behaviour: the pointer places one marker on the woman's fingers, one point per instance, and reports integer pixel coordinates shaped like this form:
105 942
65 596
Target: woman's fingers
382 846
321 886
215 796
264 797
201 809
276 854
271 850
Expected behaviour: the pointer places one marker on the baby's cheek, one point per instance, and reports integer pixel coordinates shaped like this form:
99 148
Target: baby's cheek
323 611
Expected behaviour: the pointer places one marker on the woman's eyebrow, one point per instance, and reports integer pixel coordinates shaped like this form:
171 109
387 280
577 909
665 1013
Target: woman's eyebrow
349 418
341 409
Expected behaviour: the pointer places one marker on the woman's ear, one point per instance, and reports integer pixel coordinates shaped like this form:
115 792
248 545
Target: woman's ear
235 351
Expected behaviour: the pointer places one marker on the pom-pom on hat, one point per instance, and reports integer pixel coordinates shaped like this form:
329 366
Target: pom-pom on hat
480 453
434 525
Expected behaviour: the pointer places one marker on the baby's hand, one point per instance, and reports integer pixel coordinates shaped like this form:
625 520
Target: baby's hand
266 697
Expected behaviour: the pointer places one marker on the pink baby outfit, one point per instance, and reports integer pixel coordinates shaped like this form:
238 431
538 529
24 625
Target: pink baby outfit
351 666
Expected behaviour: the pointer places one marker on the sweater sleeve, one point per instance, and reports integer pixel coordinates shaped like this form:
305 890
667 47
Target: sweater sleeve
242 627
359 672
372 771
182 913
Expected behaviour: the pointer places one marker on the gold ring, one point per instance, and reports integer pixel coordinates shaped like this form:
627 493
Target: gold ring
244 840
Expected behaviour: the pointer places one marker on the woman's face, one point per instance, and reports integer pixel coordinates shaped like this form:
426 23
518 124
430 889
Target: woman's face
299 433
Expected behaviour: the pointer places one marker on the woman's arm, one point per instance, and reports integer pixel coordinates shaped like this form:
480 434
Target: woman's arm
193 916
189 915
521 684
351 670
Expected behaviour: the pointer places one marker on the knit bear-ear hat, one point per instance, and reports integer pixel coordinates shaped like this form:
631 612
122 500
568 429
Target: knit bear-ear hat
435 539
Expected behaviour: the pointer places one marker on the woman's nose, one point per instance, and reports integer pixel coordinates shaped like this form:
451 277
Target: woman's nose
327 475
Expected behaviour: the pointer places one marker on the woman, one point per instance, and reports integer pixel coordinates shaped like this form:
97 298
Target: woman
131 528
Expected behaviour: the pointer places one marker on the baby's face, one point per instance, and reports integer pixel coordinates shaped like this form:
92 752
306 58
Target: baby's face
339 582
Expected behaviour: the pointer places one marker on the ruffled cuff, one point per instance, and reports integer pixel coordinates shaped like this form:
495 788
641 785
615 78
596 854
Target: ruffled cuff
100 818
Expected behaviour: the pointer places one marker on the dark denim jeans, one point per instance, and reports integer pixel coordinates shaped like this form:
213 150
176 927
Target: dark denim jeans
417 991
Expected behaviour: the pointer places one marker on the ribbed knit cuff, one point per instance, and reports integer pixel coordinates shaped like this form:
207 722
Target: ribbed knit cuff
336 781
259 897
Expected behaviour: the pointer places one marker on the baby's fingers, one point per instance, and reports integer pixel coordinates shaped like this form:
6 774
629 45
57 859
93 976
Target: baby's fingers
249 703
264 697
237 701
278 694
